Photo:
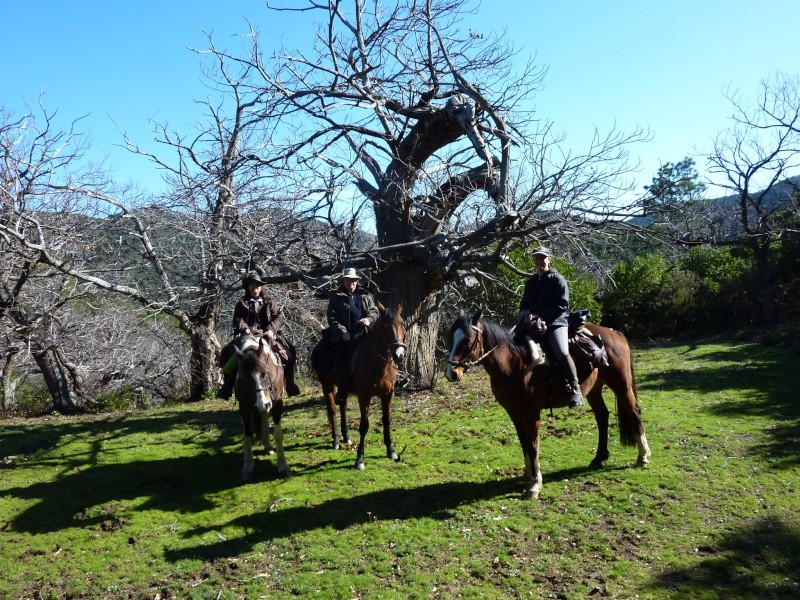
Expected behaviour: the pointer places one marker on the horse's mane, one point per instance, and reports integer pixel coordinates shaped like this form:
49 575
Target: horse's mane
495 335
253 360
389 314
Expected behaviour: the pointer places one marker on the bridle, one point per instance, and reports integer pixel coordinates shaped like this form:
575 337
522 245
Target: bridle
475 347
393 345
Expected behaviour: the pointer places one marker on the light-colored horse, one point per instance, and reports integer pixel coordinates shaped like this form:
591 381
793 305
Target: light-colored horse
259 392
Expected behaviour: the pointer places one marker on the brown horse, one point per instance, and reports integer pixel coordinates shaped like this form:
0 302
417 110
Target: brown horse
374 374
524 392
259 392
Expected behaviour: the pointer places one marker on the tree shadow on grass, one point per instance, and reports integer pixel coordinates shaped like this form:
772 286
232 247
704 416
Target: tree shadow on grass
759 561
771 373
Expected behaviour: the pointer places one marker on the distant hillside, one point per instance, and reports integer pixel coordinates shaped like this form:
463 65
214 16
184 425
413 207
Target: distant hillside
721 216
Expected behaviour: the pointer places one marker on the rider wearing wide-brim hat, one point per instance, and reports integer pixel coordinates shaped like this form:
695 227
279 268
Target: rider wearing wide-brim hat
257 310
351 312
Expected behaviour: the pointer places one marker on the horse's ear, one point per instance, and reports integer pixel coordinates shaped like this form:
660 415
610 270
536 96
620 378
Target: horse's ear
399 310
477 316
380 306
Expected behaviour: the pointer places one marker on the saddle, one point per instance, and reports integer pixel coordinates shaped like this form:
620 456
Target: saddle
323 355
587 350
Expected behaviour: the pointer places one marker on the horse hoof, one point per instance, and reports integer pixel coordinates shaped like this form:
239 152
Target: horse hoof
336 445
360 464
247 474
285 472
530 495
642 463
393 456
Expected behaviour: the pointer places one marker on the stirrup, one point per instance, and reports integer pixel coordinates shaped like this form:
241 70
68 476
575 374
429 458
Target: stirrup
574 397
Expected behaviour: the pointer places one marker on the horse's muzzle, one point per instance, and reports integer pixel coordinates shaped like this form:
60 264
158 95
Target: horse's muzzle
452 373
398 353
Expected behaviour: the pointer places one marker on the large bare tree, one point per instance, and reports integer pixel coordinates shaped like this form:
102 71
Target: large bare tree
397 143
404 124
758 160
80 342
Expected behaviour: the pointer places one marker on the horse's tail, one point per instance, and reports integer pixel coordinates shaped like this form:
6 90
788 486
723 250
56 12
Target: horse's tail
629 412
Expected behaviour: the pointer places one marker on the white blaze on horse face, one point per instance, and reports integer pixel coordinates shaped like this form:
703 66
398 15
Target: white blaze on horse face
458 337
263 401
399 353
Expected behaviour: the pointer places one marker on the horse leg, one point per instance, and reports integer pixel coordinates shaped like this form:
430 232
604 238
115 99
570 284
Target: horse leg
631 425
263 433
283 466
644 451
528 434
247 468
600 410
343 424
249 428
330 407
363 428
386 419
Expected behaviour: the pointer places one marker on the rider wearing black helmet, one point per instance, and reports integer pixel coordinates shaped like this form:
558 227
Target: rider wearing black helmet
257 310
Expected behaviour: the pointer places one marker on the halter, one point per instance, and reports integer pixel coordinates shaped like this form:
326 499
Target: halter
466 364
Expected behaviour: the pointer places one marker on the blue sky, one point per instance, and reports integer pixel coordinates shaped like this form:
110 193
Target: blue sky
658 65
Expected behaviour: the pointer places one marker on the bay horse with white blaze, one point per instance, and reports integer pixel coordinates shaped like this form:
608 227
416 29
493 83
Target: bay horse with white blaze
374 374
525 392
259 392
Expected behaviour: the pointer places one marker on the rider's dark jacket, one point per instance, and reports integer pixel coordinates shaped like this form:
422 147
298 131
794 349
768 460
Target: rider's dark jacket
343 311
547 296
257 313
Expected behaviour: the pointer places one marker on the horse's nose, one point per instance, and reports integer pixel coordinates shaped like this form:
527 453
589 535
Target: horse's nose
263 402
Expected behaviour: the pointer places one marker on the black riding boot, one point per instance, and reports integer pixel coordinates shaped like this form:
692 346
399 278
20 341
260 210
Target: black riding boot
574 397
288 374
228 381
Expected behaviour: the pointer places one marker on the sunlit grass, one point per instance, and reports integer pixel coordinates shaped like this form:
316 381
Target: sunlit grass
150 504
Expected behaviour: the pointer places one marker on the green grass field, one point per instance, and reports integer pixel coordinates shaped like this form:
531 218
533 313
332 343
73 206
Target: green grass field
150 505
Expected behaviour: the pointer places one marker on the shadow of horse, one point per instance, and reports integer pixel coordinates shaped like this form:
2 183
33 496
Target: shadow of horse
434 501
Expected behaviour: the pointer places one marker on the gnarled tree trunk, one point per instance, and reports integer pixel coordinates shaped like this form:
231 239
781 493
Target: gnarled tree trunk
61 377
418 291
